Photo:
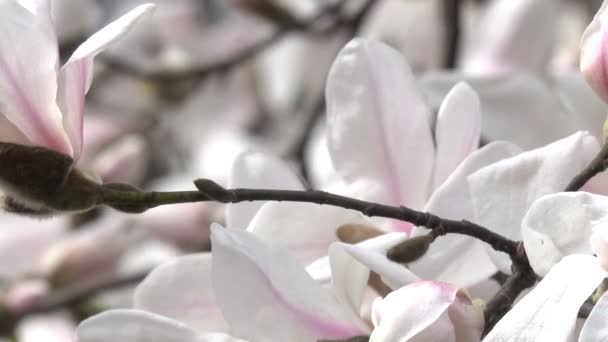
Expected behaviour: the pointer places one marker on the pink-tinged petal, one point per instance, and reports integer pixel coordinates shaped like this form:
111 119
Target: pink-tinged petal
519 107
134 326
503 192
56 327
305 230
560 224
457 130
10 133
266 295
595 328
376 113
426 311
372 254
451 257
594 57
548 313
513 34
76 75
181 289
259 171
28 77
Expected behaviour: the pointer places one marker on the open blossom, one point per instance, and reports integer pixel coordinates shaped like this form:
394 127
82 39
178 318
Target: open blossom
594 50
42 105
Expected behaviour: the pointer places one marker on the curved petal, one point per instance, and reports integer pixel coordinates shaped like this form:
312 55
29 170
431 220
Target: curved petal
265 295
28 76
595 328
503 192
560 224
349 278
376 114
135 326
76 75
181 289
305 230
450 257
259 171
514 34
410 313
457 130
548 313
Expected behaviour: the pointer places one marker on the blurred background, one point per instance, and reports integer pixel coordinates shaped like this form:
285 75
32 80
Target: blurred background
205 80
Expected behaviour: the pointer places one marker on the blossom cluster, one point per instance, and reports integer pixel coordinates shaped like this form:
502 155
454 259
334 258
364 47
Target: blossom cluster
496 146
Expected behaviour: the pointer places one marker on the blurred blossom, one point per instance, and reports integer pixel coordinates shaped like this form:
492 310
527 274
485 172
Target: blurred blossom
43 106
55 327
25 293
594 48
74 19
90 253
513 34
124 161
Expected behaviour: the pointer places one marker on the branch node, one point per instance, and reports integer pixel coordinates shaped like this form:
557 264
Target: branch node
214 190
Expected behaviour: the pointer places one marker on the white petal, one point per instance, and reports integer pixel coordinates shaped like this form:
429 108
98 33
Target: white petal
28 77
258 171
266 295
376 114
133 326
372 254
305 230
349 278
595 328
503 192
457 131
560 224
548 313
181 289
406 313
76 75
514 34
450 257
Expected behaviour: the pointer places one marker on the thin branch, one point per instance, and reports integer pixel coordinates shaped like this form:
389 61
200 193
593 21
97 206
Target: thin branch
211 191
598 164
67 297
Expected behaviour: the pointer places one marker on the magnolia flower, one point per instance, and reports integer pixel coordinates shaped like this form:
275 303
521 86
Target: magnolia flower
593 53
260 293
42 105
549 312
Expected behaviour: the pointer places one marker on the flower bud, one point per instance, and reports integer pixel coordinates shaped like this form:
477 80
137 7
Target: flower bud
38 180
411 249
594 53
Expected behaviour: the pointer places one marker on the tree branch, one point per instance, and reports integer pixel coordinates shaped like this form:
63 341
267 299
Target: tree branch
598 164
